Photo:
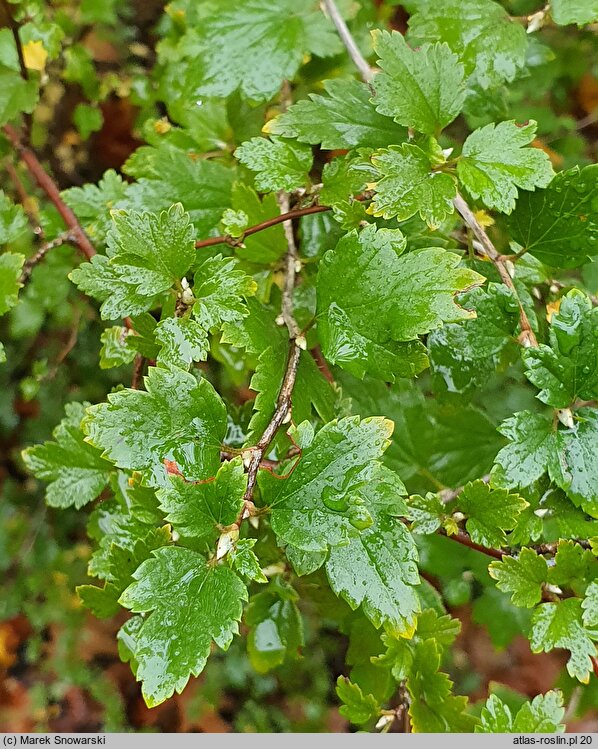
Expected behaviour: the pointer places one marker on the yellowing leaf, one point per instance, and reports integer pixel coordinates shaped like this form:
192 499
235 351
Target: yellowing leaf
35 56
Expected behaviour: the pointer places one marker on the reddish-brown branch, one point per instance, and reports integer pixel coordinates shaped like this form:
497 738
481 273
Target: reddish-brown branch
265 224
322 363
48 185
594 659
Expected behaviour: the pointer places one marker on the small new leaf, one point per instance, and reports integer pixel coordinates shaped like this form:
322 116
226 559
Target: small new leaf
147 254
182 341
220 290
408 184
560 625
542 715
490 512
538 445
279 164
357 707
494 163
523 577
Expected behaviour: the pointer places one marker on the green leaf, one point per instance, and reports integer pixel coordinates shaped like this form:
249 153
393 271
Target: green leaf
453 443
345 118
168 175
147 255
494 163
408 185
220 289
590 606
422 88
463 356
490 512
542 715
92 203
121 562
76 471
118 525
357 707
559 225
559 625
574 11
10 280
182 341
115 352
254 45
178 419
523 577
401 651
203 510
378 569
490 45
413 294
245 562
276 628
568 368
433 708
264 246
191 604
574 567
87 120
426 512
315 507
537 446
16 95
279 164
13 220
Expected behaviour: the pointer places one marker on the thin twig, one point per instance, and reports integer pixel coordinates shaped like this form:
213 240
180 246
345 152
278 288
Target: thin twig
463 538
291 269
41 253
14 27
527 337
331 10
48 185
225 239
283 403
